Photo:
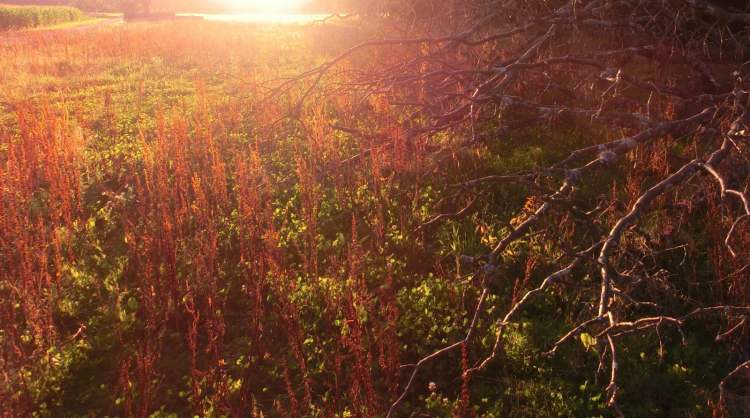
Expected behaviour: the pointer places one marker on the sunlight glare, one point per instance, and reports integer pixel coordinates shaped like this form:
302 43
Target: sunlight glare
266 6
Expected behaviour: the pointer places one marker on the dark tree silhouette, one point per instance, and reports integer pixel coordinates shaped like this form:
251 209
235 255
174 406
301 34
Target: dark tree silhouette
636 78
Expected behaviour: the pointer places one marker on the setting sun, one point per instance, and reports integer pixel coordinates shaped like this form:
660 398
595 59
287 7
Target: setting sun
265 6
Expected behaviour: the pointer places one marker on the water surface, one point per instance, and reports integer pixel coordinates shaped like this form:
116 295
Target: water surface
288 18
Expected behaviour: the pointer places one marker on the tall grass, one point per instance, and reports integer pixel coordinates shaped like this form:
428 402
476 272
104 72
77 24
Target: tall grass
20 17
171 244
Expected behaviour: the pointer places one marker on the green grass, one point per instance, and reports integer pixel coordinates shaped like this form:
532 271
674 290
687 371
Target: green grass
179 103
24 17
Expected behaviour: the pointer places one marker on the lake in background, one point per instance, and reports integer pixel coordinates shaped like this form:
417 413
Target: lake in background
259 17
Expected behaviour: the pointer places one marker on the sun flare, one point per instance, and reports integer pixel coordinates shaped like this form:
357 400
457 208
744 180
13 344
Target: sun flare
266 6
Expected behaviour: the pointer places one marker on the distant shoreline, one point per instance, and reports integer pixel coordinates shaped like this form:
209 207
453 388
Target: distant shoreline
158 16
228 17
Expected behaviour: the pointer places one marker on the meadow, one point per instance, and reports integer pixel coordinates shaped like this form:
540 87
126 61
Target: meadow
182 235
24 17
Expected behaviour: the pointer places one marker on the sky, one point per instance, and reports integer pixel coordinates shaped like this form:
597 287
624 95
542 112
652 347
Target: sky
264 6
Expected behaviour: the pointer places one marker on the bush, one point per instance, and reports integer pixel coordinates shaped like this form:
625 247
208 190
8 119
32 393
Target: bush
19 17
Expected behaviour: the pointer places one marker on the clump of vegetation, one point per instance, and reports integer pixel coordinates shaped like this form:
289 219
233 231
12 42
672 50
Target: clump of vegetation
22 17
